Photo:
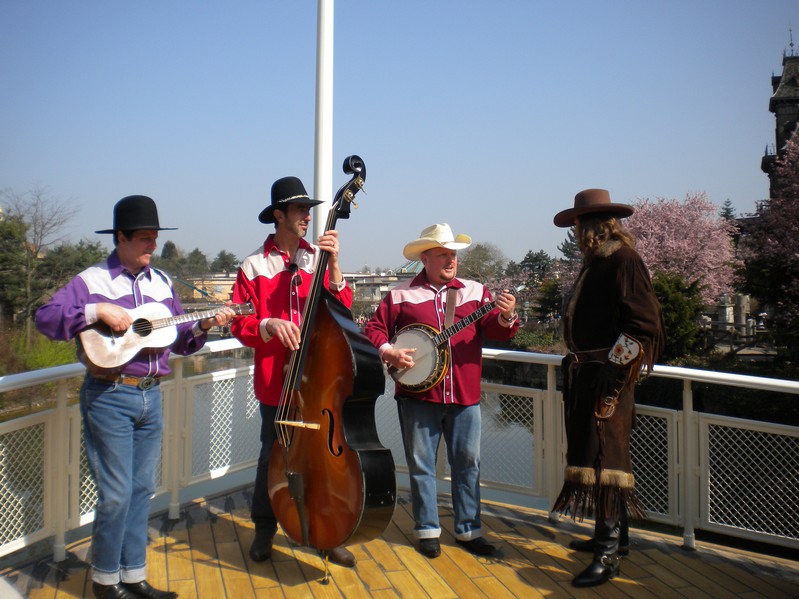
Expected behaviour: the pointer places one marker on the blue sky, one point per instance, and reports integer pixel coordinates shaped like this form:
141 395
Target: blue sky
487 115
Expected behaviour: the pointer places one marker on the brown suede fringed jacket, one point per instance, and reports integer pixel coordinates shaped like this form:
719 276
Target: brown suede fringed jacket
612 300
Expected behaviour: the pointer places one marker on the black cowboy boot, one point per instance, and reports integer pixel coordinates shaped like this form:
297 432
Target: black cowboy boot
588 545
605 564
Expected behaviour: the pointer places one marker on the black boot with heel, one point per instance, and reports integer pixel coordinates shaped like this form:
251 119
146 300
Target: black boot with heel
605 564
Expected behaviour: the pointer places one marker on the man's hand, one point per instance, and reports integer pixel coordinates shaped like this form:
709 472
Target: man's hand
114 316
223 316
285 331
399 358
507 305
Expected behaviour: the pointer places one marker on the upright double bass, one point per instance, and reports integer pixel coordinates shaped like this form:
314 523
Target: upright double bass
330 479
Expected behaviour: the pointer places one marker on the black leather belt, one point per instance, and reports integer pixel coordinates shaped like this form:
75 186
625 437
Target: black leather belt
592 355
142 382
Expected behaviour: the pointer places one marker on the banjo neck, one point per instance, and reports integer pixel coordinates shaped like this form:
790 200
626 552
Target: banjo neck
444 335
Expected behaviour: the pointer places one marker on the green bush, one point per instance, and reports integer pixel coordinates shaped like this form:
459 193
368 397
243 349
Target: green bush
42 353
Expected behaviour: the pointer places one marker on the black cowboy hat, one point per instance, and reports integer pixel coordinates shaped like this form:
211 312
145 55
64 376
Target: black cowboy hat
285 191
591 201
134 213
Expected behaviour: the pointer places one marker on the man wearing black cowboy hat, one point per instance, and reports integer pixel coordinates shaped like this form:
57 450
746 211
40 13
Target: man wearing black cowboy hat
276 279
121 406
612 326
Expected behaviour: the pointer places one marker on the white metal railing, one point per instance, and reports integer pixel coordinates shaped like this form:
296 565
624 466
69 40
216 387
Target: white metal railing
694 470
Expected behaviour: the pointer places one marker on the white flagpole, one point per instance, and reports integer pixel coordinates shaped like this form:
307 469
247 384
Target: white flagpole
323 149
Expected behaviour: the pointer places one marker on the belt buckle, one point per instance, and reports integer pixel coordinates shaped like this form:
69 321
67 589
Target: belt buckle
146 382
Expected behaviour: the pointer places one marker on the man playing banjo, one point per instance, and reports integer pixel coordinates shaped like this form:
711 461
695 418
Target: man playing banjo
438 378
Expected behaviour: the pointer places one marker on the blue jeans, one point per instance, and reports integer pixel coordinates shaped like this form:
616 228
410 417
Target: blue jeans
422 423
261 511
122 428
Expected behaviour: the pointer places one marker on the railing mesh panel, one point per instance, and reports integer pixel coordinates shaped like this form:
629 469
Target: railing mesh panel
22 482
649 445
388 427
753 480
226 425
88 490
507 440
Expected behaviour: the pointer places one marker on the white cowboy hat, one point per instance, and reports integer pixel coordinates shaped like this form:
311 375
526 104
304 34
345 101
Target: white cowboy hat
439 235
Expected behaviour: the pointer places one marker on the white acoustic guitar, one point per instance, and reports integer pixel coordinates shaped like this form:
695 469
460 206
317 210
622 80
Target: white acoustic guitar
153 327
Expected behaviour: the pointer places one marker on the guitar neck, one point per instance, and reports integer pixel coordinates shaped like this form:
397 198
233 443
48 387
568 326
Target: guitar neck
240 309
181 318
442 337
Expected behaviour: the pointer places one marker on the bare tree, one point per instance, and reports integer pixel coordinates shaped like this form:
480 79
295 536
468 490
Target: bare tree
45 217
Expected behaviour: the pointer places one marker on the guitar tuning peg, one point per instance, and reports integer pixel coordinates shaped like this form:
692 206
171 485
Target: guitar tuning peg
354 204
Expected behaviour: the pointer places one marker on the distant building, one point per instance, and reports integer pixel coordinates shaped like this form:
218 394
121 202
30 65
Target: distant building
367 289
784 103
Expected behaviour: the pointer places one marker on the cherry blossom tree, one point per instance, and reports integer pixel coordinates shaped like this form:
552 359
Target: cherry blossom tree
690 239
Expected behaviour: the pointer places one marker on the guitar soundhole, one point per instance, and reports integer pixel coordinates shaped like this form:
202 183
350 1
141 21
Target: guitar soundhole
142 327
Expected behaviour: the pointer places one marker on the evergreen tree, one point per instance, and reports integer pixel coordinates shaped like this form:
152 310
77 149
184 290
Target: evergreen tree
224 262
727 212
682 309
12 267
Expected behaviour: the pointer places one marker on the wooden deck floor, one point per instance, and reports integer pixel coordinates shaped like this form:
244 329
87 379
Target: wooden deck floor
204 555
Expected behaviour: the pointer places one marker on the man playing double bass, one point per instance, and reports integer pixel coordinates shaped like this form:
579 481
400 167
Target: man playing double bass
276 279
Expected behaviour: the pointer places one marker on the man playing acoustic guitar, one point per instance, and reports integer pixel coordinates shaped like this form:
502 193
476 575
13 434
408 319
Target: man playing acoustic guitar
444 401
121 405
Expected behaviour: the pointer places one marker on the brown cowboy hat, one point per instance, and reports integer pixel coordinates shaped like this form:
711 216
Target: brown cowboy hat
590 201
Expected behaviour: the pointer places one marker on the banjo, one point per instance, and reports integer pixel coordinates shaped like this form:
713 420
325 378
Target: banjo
431 359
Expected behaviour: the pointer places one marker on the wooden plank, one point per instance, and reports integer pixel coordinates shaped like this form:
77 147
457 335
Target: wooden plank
681 571
372 575
406 584
186 589
491 587
383 554
424 570
516 584
203 555
179 557
754 573
221 520
234 573
208 577
157 574
291 579
452 575
273 593
262 574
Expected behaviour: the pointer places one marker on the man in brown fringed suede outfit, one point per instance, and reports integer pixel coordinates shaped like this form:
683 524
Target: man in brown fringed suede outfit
612 326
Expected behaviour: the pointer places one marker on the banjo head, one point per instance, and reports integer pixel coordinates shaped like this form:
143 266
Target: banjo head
430 362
